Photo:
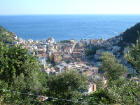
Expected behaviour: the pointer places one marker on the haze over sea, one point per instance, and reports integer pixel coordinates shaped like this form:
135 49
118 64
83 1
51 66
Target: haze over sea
65 27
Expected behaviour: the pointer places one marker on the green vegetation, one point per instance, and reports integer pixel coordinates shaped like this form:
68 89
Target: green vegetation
6 36
67 85
130 35
125 93
90 51
112 68
65 41
21 72
133 56
21 75
119 91
100 97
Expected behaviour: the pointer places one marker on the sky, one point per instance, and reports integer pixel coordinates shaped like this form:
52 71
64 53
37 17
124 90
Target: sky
23 7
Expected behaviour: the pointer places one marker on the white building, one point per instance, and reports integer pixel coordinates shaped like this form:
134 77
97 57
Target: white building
51 40
30 41
92 88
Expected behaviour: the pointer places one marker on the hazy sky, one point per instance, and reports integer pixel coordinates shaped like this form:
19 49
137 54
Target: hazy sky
69 7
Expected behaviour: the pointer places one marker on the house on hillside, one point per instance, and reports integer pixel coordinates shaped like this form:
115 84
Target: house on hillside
92 88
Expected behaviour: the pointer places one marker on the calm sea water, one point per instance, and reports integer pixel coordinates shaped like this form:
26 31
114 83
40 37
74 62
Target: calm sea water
62 27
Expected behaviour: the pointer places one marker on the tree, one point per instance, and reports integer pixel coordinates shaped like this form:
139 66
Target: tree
111 67
100 97
91 50
68 85
133 56
21 72
126 93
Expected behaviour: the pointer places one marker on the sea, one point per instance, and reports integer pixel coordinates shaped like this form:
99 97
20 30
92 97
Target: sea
66 27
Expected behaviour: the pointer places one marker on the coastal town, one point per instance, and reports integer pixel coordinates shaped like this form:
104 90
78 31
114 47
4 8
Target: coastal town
84 56
57 57
69 52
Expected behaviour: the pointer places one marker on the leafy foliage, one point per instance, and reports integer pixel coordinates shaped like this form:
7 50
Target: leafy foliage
20 71
111 67
68 86
130 36
90 51
100 97
65 41
6 36
125 93
133 56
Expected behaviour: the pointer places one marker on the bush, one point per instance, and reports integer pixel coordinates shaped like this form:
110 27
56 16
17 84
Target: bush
67 85
111 67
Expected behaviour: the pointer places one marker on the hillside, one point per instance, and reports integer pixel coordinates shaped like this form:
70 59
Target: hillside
123 40
6 36
116 45
130 35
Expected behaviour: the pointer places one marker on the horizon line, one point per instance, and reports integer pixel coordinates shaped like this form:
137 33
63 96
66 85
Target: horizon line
64 14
